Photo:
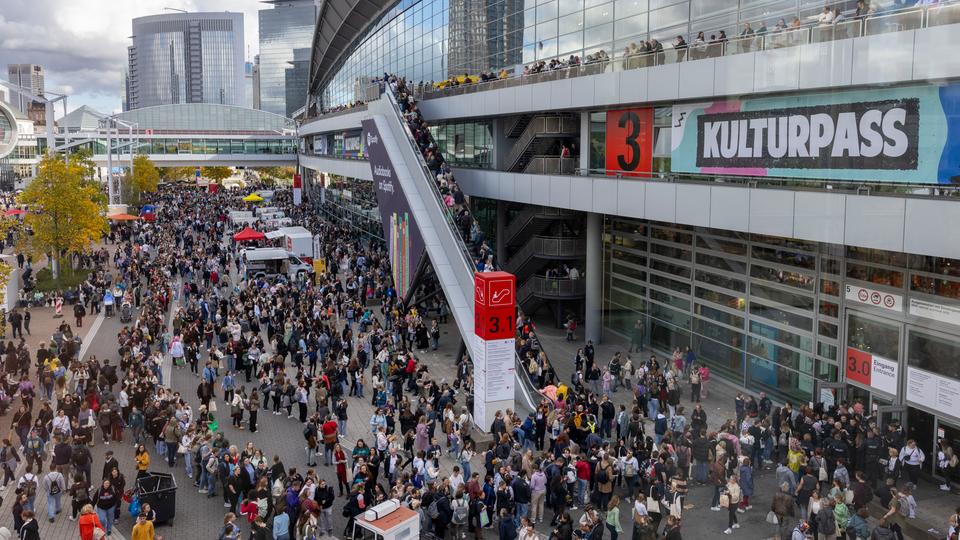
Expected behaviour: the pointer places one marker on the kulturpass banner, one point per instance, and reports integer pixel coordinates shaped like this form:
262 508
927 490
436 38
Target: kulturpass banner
909 135
399 228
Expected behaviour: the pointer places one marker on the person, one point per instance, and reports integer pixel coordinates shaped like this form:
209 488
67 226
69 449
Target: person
946 463
672 529
912 458
54 485
800 531
106 500
782 506
613 517
143 529
30 530
734 496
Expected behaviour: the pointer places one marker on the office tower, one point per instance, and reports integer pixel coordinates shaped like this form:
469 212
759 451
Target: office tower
284 28
27 76
186 58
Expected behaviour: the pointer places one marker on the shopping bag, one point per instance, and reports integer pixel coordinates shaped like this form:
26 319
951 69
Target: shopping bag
213 426
725 501
212 406
772 518
484 518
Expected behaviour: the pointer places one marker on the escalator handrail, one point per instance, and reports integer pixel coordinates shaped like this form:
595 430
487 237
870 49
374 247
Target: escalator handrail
464 252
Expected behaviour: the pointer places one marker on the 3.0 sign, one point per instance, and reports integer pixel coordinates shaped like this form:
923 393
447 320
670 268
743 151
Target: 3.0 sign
629 146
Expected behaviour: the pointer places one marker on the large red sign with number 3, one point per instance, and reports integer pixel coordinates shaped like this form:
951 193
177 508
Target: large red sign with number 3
629 146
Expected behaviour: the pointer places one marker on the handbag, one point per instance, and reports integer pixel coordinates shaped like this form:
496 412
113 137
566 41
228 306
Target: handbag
822 474
484 518
676 508
772 518
99 534
653 505
212 406
725 501
181 449
848 496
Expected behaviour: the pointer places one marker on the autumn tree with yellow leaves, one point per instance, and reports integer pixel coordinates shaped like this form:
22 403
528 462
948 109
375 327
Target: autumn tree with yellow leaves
67 210
145 179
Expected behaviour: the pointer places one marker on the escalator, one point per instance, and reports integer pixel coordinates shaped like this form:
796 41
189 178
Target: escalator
450 258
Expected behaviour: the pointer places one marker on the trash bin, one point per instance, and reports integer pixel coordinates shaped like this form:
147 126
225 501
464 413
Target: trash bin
160 491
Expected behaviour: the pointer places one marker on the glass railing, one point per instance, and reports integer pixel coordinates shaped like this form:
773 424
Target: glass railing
875 24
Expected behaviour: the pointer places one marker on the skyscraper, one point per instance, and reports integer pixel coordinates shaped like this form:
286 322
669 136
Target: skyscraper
186 58
28 76
286 27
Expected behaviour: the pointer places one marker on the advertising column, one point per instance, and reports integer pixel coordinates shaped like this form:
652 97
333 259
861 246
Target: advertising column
494 371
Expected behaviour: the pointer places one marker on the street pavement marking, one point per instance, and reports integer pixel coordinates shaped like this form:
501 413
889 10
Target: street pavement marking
91 334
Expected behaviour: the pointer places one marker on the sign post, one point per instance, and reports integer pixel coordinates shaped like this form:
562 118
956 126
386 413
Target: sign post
495 330
297 189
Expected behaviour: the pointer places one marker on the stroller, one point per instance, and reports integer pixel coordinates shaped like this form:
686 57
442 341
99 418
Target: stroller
126 312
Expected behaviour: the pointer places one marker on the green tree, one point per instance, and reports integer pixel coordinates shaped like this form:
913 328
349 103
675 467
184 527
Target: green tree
67 210
181 174
216 174
145 178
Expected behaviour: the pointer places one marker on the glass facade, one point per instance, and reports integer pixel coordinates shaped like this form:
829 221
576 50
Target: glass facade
341 144
186 58
206 117
285 29
430 40
466 144
769 313
217 146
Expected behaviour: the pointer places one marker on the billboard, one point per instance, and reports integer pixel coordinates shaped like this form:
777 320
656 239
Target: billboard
629 141
904 135
399 228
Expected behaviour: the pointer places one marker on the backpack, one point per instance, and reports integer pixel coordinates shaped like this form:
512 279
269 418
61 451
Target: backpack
30 487
602 476
211 465
55 488
460 514
433 510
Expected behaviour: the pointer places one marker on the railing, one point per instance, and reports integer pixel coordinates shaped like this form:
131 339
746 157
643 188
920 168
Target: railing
858 187
545 287
542 125
530 213
551 165
435 189
340 112
880 23
546 247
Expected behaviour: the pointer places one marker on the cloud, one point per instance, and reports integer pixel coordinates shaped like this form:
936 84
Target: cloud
82 44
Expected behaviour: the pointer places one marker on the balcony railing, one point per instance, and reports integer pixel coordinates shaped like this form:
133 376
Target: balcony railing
551 165
875 24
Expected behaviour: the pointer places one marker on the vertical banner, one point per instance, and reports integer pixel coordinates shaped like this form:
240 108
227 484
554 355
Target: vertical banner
297 189
197 175
494 370
629 142
399 228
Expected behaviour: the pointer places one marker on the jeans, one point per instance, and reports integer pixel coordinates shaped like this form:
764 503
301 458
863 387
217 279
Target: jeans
311 455
53 505
613 531
343 427
581 490
652 406
171 454
700 471
521 512
161 448
326 520
715 501
106 518
188 464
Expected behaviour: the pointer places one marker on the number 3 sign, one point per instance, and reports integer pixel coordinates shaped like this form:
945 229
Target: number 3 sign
629 146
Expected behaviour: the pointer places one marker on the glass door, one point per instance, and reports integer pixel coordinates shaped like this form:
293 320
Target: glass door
921 427
951 434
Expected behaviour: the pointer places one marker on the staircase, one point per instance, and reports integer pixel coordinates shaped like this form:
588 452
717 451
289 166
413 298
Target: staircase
539 248
539 127
538 218
537 289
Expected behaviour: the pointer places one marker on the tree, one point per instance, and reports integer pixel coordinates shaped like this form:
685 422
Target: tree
83 159
216 174
67 211
181 174
145 178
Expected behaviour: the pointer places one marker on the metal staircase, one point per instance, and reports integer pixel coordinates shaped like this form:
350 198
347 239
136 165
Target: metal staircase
539 289
538 218
540 248
538 128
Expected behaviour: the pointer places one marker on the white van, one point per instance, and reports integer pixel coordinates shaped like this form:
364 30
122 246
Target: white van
270 262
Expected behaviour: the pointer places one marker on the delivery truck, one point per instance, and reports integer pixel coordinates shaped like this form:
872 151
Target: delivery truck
272 262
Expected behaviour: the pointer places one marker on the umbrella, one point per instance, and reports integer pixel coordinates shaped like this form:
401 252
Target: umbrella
122 217
248 234
14 212
253 197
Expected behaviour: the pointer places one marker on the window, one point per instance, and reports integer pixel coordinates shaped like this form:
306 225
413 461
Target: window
934 353
722 299
877 276
721 281
874 336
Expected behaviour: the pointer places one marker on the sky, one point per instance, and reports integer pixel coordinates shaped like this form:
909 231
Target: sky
82 44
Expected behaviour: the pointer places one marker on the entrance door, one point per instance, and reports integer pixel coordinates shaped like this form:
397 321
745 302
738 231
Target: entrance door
951 434
890 413
829 393
922 428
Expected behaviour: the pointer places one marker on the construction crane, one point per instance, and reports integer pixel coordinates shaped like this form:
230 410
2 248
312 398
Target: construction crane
48 104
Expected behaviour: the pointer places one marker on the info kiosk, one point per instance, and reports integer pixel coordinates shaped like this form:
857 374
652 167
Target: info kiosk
388 521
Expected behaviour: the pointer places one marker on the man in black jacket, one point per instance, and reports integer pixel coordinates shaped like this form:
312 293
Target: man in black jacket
325 496
521 495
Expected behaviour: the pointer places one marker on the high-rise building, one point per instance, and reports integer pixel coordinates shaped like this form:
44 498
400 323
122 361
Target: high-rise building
286 27
295 79
28 76
256 82
186 58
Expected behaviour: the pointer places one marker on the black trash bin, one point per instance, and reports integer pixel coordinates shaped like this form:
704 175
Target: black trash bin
160 491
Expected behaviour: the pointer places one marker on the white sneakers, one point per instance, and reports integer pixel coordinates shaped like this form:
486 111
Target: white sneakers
736 525
728 531
944 487
715 508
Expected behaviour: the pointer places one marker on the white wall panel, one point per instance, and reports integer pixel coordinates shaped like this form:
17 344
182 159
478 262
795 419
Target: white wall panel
730 208
660 202
826 64
508 100
560 191
345 167
523 187
696 79
605 195
581 193
777 70
540 189
875 222
663 82
631 198
525 101
733 75
606 89
818 216
507 186
771 212
930 226
884 58
581 92
559 94
633 86
693 204
934 53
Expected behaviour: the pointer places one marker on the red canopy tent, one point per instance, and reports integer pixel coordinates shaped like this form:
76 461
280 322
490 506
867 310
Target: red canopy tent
15 212
247 235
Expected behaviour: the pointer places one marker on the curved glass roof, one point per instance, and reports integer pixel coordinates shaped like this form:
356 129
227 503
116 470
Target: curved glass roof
205 117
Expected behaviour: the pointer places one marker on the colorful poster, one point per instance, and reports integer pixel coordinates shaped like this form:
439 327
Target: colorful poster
629 141
902 135
404 242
